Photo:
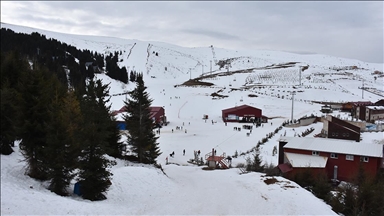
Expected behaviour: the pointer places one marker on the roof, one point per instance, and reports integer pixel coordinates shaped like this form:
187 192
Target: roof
380 102
302 160
239 108
362 103
155 109
285 168
375 107
334 146
152 110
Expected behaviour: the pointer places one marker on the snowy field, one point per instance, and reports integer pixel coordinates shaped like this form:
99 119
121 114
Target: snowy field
186 189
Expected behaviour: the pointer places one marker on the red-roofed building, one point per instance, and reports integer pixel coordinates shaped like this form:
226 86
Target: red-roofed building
243 113
157 114
339 159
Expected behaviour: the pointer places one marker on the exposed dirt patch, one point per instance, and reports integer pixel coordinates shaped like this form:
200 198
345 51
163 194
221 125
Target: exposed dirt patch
270 181
252 95
208 168
289 186
218 95
194 82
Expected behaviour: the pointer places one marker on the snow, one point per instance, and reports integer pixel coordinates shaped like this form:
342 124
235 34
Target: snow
187 189
142 190
335 146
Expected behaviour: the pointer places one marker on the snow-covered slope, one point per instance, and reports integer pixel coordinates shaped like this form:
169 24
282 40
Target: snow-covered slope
187 189
138 190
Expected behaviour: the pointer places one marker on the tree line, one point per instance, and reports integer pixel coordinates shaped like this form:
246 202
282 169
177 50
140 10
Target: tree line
66 131
54 54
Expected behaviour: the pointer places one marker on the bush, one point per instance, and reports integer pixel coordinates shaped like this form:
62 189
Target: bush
271 170
274 150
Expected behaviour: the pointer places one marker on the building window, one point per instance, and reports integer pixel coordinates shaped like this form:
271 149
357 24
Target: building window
334 155
364 159
349 157
315 153
345 134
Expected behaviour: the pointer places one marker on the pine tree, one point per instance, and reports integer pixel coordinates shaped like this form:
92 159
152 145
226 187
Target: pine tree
141 138
7 107
63 141
132 76
378 198
115 146
36 94
321 187
94 175
255 164
12 68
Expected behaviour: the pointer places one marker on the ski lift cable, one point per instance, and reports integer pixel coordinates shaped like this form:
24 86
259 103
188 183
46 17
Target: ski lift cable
217 146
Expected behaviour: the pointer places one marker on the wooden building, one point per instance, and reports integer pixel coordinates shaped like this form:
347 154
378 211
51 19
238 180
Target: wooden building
373 113
351 106
157 114
339 159
380 103
243 113
338 129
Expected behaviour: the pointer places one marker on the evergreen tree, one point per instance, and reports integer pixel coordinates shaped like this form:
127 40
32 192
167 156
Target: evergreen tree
350 202
115 146
141 138
321 187
12 68
123 75
36 94
378 198
132 76
8 133
94 175
255 164
63 141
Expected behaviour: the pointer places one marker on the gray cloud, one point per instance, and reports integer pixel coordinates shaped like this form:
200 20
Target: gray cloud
212 34
345 29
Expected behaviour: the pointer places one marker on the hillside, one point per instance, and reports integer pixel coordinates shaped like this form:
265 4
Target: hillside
187 189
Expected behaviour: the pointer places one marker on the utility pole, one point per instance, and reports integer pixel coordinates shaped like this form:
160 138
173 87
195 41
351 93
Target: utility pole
211 66
293 96
362 91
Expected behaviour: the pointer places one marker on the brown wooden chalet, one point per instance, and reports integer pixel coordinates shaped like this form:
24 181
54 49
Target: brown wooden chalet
380 103
338 129
354 107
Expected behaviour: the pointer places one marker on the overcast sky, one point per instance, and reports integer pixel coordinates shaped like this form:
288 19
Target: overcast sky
345 29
